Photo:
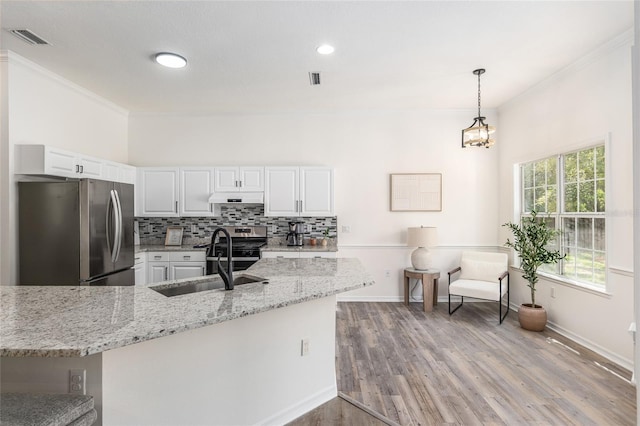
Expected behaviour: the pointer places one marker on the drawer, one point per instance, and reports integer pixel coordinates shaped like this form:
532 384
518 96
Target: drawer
139 258
187 256
158 256
318 254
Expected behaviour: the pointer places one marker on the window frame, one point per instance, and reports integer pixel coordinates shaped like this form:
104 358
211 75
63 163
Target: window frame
559 215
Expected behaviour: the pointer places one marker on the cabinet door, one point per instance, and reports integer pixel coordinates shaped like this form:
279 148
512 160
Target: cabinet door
140 273
60 163
196 186
157 272
90 167
126 174
316 191
252 179
111 171
227 179
157 192
281 191
181 270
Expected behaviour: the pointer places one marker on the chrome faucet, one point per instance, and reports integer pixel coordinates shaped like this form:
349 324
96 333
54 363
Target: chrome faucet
227 277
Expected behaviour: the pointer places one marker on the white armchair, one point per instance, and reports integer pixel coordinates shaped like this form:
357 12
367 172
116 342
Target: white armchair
481 277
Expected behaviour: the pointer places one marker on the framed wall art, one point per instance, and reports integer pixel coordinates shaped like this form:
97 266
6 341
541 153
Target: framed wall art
416 192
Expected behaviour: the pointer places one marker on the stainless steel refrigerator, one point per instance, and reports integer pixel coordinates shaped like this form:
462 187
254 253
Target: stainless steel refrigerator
76 233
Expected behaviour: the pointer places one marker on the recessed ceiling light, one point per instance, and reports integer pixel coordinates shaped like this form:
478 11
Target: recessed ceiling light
325 49
171 60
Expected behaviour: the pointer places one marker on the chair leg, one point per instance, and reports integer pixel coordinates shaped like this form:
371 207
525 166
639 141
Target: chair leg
457 307
506 313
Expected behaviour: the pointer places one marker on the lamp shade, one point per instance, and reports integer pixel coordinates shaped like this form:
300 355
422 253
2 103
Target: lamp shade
422 237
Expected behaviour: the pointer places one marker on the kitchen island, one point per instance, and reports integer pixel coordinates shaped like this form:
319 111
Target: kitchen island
214 357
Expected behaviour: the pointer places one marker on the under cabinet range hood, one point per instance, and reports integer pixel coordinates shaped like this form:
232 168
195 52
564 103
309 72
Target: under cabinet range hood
237 198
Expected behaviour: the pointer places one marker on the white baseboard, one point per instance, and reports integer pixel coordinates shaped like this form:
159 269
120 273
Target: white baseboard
622 362
302 407
348 298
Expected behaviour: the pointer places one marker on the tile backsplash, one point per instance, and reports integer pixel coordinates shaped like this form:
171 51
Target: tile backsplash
199 229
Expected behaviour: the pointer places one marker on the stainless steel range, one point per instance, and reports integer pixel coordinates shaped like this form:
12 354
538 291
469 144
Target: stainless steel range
245 242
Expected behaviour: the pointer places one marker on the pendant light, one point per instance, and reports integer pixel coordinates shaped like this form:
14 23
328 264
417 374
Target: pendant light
479 133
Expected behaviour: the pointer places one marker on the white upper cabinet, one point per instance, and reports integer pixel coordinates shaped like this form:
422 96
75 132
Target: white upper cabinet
158 191
47 160
118 172
196 185
316 191
298 191
281 191
239 179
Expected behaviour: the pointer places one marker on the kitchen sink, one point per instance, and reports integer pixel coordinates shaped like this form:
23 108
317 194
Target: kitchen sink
215 283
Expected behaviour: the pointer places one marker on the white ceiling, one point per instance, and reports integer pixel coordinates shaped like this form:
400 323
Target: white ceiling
254 57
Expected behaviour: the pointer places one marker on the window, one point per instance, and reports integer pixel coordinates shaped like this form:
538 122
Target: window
568 191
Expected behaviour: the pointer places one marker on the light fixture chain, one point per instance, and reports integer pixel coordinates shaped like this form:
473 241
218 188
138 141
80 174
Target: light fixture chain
479 95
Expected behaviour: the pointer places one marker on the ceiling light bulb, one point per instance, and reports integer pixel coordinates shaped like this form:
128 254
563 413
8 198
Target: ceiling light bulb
325 49
171 60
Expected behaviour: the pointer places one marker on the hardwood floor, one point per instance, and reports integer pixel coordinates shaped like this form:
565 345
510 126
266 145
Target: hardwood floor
338 412
418 368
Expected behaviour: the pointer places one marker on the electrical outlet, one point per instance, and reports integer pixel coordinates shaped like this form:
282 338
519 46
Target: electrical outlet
553 292
304 347
387 273
346 228
194 229
78 382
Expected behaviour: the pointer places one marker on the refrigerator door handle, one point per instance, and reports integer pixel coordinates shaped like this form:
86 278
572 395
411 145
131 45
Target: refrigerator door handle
118 241
111 212
108 222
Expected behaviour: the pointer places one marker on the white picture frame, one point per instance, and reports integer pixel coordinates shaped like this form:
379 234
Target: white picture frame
174 236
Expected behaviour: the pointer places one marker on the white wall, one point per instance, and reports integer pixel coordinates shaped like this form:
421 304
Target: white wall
364 148
43 108
241 372
575 108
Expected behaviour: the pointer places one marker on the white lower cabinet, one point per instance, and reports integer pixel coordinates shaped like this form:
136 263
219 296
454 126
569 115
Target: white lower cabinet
299 254
140 268
187 264
175 265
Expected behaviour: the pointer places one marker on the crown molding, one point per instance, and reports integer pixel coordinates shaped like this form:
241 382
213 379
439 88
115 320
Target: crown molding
14 58
622 40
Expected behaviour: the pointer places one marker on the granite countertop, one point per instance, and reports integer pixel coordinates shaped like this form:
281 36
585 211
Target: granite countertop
284 247
56 321
159 247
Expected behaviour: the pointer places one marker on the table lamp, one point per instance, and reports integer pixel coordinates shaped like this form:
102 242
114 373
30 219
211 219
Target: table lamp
422 238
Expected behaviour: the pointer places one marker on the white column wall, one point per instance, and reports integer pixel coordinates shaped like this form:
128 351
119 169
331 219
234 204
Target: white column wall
576 108
44 108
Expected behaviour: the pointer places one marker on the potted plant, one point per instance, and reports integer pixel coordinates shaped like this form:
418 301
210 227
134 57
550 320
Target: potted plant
325 238
530 241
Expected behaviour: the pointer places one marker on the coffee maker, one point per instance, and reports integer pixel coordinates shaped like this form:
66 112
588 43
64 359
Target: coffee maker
295 237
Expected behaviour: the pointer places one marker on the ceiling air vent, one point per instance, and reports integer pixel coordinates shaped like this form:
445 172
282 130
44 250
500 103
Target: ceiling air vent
28 36
314 78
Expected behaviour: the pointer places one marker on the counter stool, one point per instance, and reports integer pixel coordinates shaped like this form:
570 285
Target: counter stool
36 409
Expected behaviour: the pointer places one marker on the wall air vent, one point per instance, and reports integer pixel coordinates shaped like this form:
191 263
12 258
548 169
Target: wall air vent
28 36
314 78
